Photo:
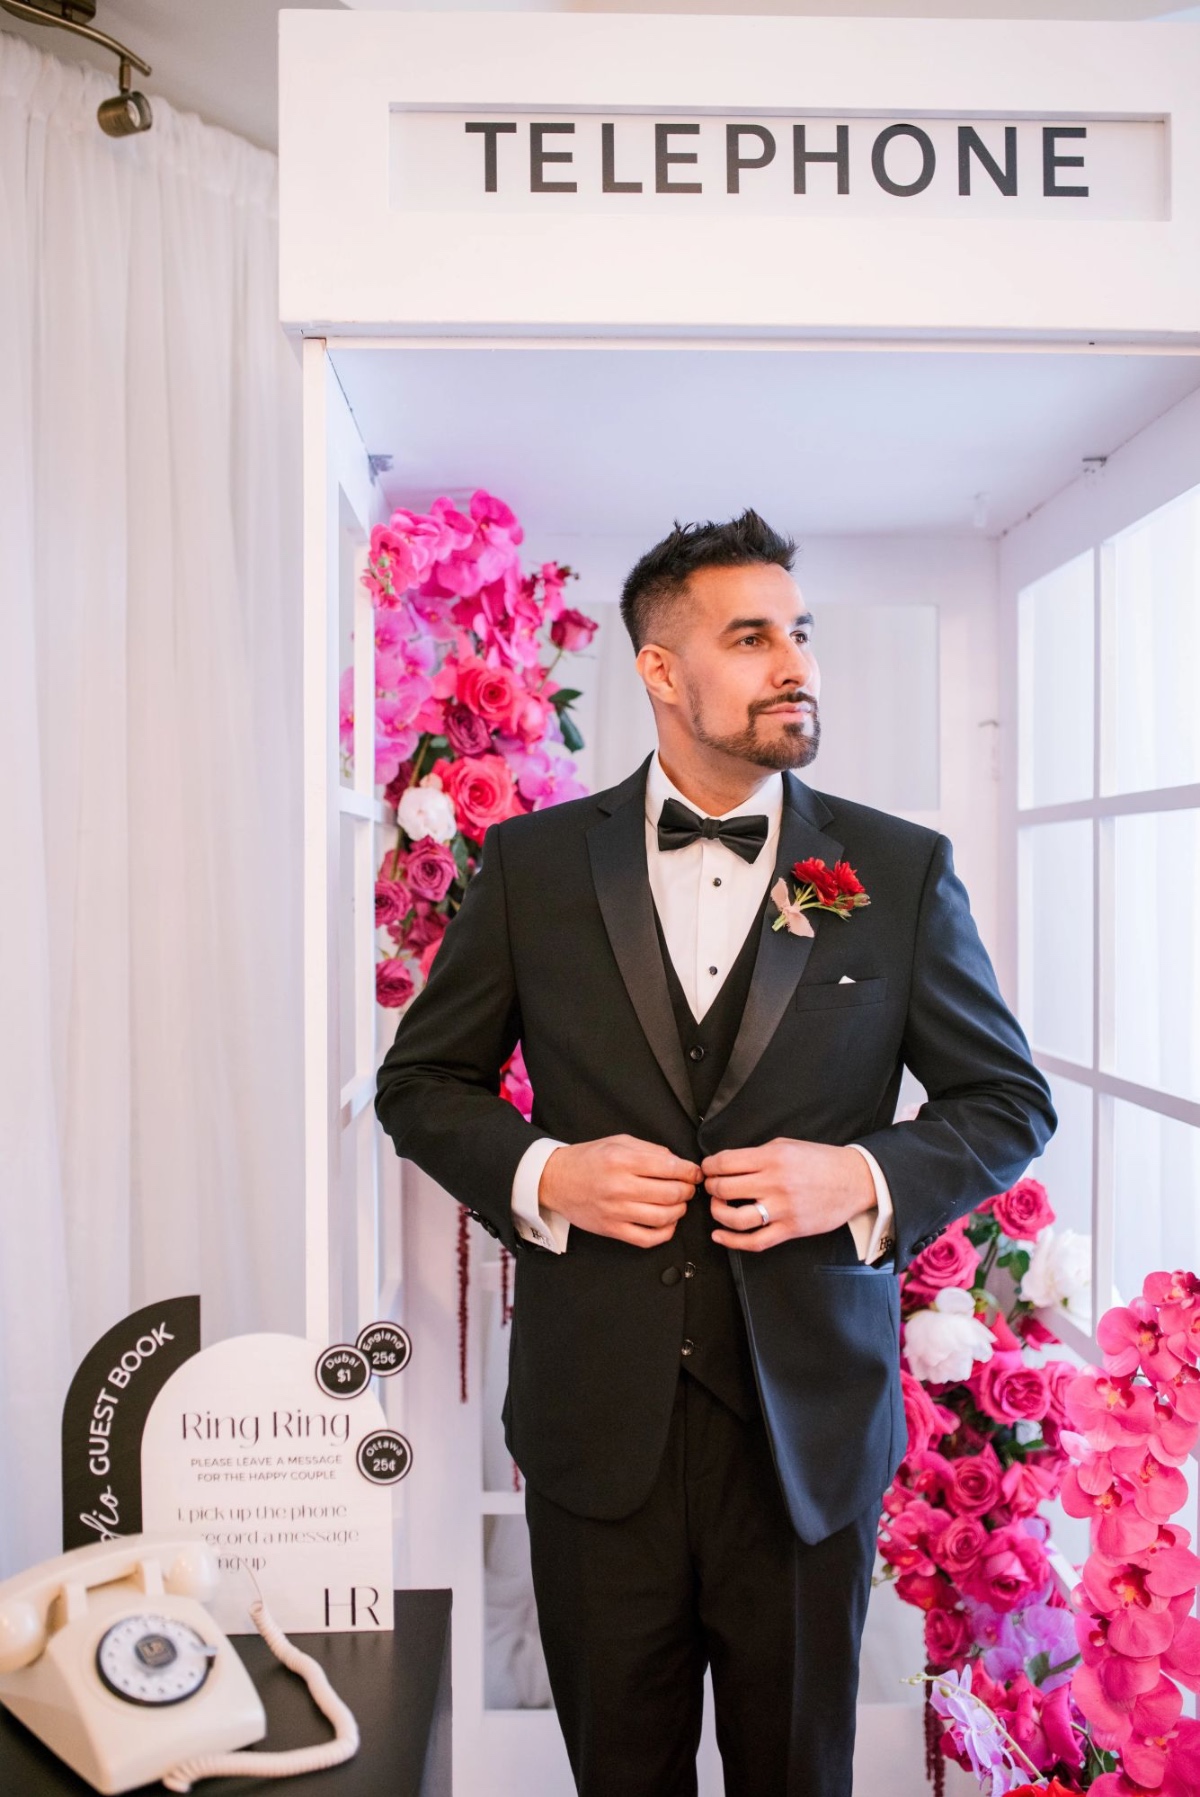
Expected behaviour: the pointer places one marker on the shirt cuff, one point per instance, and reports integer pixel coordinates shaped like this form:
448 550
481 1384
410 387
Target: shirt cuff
872 1229
533 1221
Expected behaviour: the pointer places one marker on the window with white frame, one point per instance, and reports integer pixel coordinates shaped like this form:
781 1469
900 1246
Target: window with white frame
1108 796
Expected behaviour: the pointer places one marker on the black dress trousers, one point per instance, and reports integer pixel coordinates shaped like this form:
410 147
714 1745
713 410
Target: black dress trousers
708 1571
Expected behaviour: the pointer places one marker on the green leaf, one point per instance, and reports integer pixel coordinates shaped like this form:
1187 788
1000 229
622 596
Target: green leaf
1017 1263
566 695
1038 1666
570 734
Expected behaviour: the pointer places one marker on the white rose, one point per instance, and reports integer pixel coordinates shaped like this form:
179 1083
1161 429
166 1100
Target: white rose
943 1343
1060 1270
427 811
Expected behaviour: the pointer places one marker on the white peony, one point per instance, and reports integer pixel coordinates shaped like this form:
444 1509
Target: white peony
943 1343
427 811
1060 1271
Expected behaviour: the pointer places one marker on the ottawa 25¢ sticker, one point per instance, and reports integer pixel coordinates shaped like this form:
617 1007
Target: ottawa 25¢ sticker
384 1457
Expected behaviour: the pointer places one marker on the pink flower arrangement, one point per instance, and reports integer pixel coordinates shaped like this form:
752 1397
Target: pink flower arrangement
468 719
468 726
961 1532
1135 1421
1085 1697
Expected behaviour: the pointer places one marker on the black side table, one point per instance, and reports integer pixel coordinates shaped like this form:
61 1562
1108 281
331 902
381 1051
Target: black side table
397 1684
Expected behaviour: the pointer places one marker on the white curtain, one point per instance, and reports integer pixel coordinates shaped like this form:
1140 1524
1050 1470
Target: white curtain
150 803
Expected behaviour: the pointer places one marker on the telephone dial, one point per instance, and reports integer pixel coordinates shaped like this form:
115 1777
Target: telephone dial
108 1655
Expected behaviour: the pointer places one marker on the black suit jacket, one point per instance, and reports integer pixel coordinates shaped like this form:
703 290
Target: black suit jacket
555 945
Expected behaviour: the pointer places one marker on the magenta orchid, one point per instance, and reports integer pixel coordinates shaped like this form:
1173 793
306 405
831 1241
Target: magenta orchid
1134 1425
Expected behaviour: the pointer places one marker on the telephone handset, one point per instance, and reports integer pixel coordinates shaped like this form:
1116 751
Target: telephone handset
108 1655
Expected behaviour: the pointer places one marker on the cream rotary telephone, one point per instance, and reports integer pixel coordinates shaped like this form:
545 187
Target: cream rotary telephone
109 1656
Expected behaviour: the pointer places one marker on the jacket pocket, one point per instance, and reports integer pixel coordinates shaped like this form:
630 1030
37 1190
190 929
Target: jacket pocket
828 995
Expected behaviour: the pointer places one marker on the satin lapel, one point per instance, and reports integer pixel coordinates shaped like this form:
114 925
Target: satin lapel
617 847
781 957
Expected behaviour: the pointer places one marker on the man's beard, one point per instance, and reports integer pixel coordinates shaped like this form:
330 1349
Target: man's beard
795 747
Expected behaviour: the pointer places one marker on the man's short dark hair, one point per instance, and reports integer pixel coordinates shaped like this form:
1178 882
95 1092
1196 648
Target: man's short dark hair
653 588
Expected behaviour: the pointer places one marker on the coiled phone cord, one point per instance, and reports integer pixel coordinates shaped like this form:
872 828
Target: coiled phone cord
279 1765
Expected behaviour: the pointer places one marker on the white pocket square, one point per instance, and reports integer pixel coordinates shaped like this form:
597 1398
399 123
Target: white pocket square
846 980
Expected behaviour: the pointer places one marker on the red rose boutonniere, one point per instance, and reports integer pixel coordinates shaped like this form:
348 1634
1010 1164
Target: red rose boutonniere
821 888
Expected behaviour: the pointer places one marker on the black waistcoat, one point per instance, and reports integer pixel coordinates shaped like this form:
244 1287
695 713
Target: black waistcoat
714 1348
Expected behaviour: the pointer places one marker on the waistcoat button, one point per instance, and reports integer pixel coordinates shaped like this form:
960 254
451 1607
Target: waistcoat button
696 1053
670 1275
689 1269
687 1346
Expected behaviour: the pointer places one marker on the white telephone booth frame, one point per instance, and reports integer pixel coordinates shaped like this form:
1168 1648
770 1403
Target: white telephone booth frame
373 254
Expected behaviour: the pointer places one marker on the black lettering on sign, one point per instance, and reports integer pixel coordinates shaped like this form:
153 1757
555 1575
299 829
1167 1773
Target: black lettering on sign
802 156
971 144
735 162
903 190
608 164
489 130
539 156
1052 161
664 156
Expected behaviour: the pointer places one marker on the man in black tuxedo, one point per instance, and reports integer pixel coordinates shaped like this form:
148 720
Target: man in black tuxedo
711 1202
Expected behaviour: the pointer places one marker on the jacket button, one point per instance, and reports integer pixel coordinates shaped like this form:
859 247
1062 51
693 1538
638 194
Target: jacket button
696 1053
689 1269
686 1346
670 1275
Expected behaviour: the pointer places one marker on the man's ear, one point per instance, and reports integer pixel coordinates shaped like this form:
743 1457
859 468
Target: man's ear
655 665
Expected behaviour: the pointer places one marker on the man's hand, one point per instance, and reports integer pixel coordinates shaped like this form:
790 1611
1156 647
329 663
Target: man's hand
619 1186
808 1188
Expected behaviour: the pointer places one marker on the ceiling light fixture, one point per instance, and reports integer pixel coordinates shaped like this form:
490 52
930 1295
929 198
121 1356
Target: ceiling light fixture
127 112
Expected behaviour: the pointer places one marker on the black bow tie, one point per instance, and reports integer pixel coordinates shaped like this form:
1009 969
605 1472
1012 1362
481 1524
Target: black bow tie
677 826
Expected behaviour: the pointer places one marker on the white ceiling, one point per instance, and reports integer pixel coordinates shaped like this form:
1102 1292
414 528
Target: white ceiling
219 57
611 442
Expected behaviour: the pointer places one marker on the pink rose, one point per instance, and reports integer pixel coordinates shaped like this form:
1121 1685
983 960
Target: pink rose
1058 1374
1010 1572
393 982
975 1485
1025 1487
572 630
951 1260
466 732
391 902
425 958
959 1545
492 692
1022 1211
926 1591
948 1636
481 788
427 925
531 717
927 1421
1008 1390
431 869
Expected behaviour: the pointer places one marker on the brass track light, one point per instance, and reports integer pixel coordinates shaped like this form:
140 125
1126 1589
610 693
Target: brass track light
127 112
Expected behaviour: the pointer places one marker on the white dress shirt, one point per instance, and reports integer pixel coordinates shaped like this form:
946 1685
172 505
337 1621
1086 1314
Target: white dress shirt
706 896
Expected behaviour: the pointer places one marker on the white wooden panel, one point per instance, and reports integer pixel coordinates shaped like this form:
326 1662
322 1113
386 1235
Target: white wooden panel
351 257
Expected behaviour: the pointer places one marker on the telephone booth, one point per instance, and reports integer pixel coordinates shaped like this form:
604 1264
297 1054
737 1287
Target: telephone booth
927 294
